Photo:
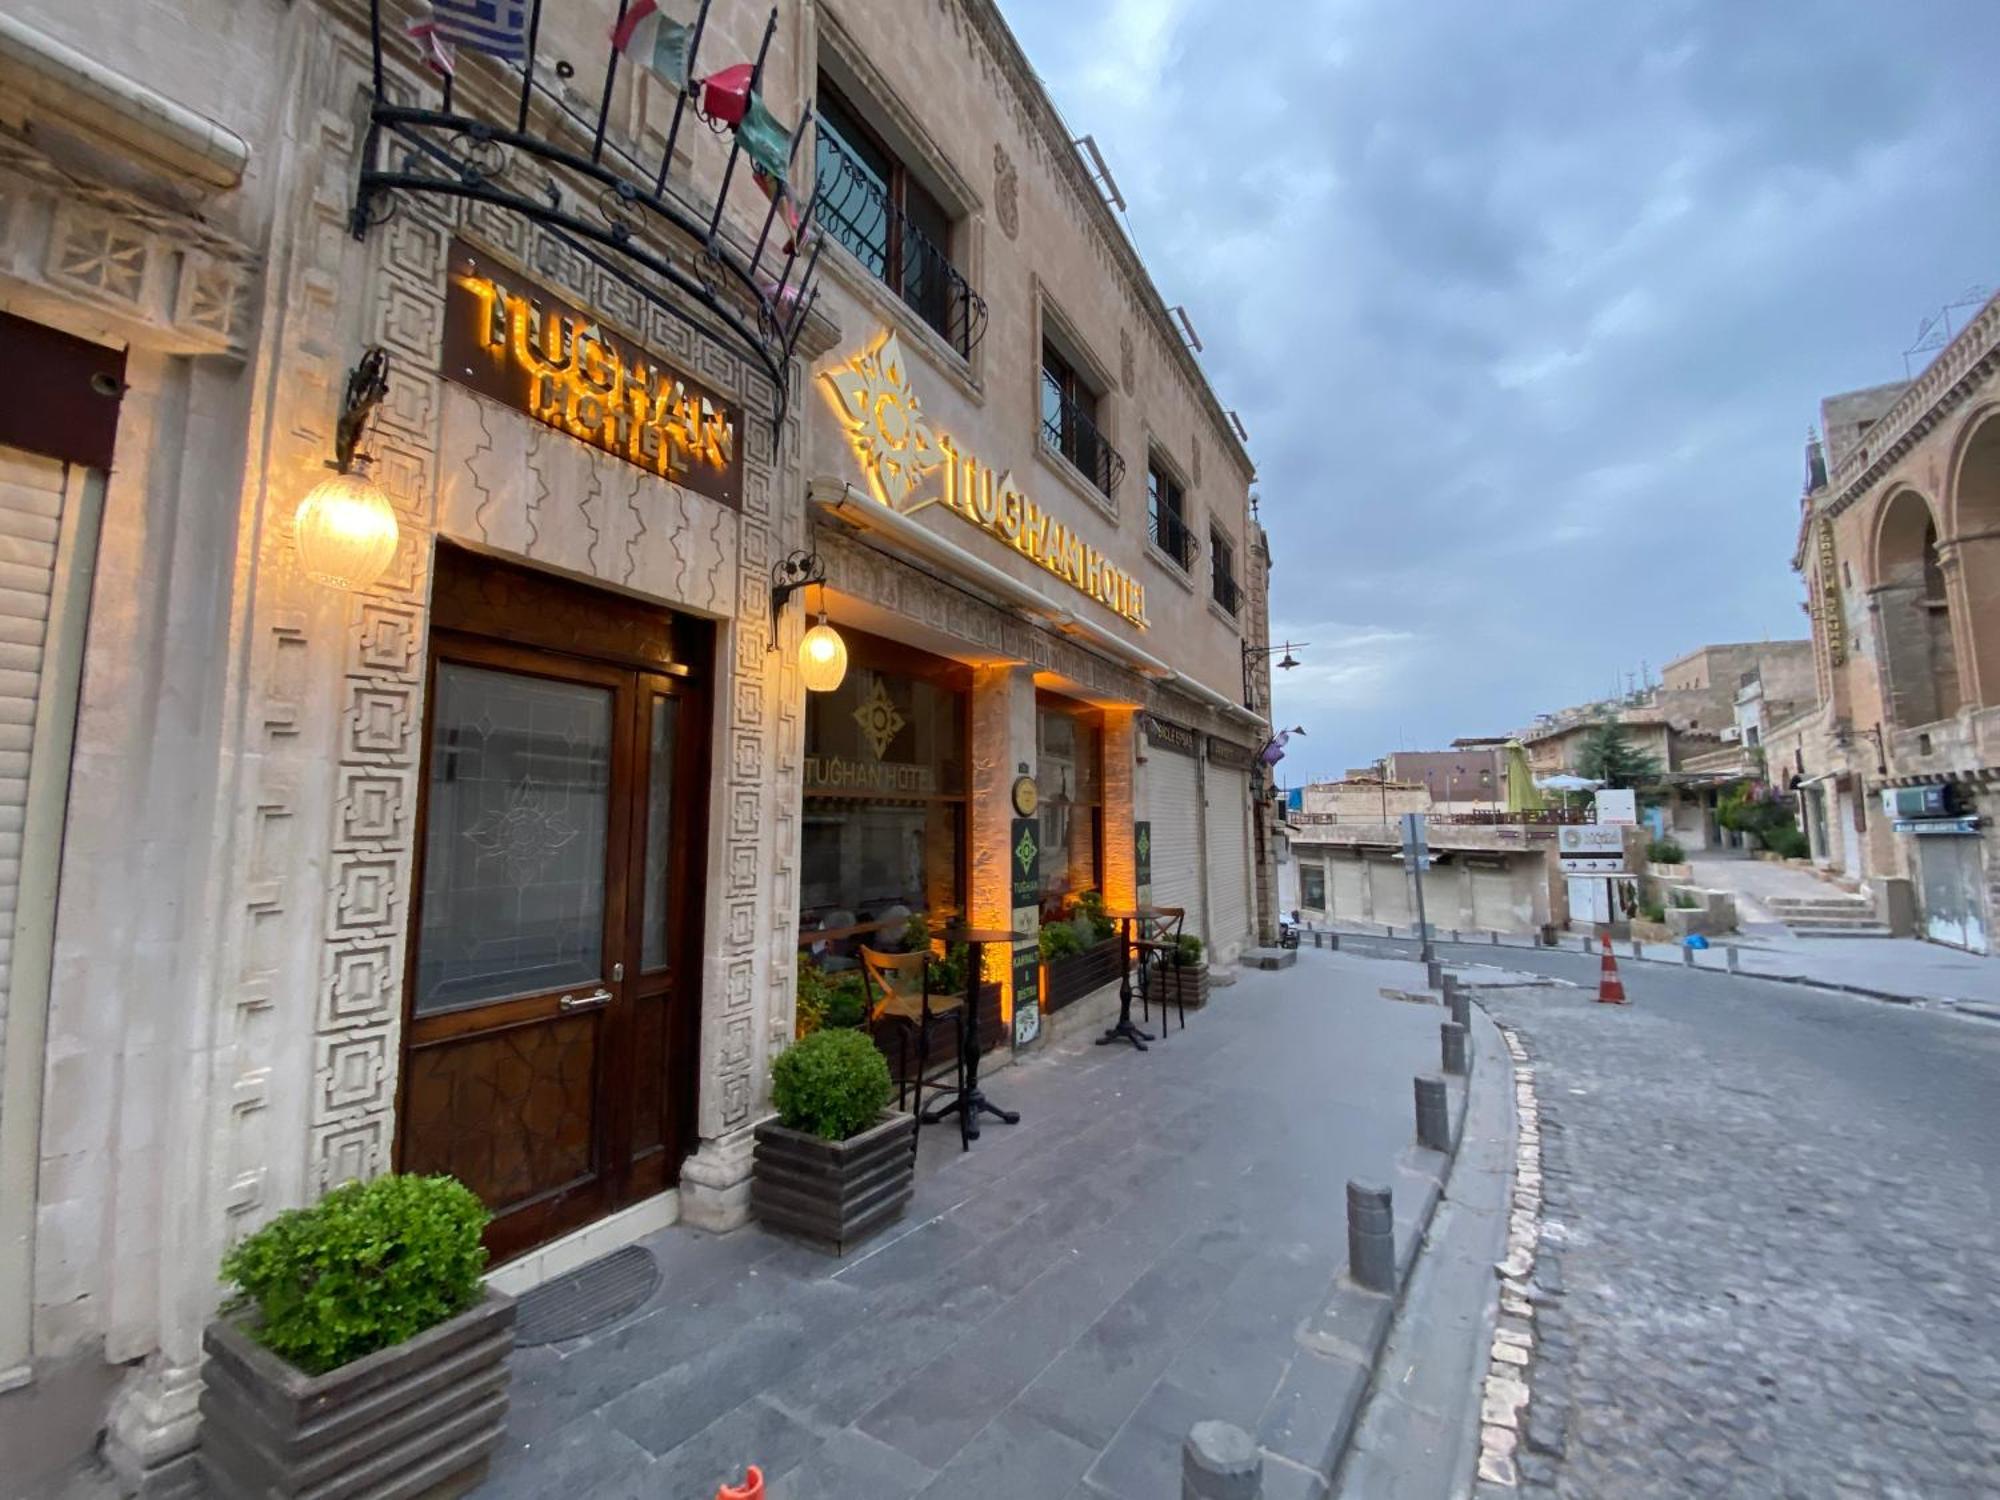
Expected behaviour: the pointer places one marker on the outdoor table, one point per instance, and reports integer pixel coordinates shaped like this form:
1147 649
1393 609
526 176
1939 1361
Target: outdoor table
969 1102
1125 1031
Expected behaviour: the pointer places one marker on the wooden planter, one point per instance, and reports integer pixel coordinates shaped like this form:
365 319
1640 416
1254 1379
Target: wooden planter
421 1418
1186 985
833 1194
1067 980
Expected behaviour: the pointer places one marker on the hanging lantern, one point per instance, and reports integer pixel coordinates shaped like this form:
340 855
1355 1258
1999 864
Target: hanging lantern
345 527
346 531
822 658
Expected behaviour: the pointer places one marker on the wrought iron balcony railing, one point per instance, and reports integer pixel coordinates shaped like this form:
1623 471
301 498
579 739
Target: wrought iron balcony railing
1069 430
507 138
852 206
1173 536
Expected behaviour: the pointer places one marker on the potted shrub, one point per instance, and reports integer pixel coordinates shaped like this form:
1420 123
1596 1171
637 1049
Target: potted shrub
365 1355
1186 982
1079 953
836 1164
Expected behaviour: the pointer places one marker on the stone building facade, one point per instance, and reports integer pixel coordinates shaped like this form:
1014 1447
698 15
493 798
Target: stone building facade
271 846
1899 549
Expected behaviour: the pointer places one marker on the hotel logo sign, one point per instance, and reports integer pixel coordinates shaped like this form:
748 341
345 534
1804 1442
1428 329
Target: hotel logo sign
898 449
507 338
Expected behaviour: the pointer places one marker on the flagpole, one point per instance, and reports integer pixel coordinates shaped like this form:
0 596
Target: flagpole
528 66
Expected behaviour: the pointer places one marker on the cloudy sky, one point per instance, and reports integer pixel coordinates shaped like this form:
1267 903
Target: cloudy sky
1527 304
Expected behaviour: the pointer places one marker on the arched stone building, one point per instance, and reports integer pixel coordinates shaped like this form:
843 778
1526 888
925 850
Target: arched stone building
1899 545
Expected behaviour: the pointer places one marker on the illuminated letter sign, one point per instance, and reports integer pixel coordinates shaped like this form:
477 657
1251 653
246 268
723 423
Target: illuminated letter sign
897 449
1832 616
507 338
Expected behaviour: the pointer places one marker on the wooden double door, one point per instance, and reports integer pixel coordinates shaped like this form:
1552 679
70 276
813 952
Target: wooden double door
552 1000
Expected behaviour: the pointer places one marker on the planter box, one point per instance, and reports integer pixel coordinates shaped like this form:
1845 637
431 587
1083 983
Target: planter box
833 1194
1067 980
419 1419
1670 872
1651 932
1187 986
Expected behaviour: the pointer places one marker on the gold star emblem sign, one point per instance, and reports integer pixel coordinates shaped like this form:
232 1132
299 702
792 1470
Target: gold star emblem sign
884 421
880 722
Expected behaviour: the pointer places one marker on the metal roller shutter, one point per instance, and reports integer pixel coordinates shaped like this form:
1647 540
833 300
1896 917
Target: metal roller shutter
1347 888
1229 858
31 506
1171 790
1493 901
1389 884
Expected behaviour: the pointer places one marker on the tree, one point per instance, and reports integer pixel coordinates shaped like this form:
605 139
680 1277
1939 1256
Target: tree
1608 755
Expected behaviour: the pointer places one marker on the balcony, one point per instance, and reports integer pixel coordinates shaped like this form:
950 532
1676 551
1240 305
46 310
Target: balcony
1172 536
1227 592
1067 428
852 206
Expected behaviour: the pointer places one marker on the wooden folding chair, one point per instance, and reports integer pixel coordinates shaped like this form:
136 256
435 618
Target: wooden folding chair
898 989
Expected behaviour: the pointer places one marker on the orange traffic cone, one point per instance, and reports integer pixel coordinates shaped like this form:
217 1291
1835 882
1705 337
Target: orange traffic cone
752 1487
1610 988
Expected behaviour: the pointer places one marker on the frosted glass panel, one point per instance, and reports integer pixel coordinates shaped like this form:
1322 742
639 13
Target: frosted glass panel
514 844
659 833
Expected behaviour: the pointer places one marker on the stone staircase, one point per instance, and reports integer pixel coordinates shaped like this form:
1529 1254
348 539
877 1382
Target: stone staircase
1831 915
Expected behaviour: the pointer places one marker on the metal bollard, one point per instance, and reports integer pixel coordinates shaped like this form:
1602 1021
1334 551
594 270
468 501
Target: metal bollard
1687 955
1371 1237
1433 1118
1434 975
1388 929
1638 948
1583 944
1733 956
1333 942
1220 1461
1454 934
1496 937
1461 1009
1319 938
1452 1039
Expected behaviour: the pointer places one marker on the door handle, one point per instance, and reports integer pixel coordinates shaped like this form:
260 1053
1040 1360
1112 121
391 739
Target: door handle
585 1002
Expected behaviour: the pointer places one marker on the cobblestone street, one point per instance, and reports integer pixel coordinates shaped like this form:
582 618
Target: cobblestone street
1769 1242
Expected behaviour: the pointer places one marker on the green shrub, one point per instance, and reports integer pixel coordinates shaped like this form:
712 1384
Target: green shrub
1059 940
1190 949
1666 852
370 1265
1090 908
1653 912
1787 842
833 1084
1686 900
846 1000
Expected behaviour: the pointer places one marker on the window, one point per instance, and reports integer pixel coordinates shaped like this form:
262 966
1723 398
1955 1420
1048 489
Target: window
1166 517
1069 776
1750 736
1312 886
1069 421
896 227
1222 571
882 834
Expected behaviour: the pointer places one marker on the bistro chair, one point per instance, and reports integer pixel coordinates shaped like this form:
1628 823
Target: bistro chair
1159 948
898 989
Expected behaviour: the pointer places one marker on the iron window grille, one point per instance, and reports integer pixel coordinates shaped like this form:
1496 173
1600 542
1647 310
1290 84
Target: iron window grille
1166 521
1222 573
1069 424
511 139
867 200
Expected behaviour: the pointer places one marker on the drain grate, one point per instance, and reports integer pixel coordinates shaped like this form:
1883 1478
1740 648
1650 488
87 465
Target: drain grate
587 1299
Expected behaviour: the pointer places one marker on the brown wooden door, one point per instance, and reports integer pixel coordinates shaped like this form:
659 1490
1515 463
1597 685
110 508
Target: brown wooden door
552 1020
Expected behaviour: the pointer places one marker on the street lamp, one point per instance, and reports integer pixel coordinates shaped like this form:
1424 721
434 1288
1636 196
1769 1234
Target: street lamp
1283 664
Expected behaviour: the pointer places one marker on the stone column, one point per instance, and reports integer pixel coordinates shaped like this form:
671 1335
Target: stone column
1121 887
1003 748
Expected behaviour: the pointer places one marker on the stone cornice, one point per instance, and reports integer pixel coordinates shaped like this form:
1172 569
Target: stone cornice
1006 50
1944 384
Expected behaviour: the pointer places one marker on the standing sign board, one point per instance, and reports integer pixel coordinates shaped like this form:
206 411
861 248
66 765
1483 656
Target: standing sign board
1591 849
1025 865
1142 861
1620 808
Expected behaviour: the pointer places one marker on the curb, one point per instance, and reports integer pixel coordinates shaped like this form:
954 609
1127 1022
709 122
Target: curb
1311 1421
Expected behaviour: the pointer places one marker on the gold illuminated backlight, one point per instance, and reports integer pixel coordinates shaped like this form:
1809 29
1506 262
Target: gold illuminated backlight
822 658
346 532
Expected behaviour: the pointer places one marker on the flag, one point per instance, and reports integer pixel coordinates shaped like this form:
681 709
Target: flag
655 42
499 28
439 55
766 142
1275 750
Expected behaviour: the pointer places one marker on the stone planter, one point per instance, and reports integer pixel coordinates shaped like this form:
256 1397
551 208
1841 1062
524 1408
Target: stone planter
1670 872
1067 980
419 1419
1651 932
1177 986
833 1194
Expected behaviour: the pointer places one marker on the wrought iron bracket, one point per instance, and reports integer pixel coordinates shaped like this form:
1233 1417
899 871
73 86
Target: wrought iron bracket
367 384
800 570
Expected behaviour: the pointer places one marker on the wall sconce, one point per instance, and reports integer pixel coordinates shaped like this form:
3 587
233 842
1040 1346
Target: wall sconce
822 653
346 527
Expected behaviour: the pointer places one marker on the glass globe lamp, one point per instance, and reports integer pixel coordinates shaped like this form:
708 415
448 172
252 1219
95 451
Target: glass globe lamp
346 531
822 658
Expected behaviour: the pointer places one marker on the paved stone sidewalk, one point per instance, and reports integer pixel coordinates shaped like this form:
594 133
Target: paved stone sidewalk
1771 1228
1061 1304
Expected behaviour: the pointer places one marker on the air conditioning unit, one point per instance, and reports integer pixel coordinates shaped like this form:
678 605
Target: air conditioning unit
1931 801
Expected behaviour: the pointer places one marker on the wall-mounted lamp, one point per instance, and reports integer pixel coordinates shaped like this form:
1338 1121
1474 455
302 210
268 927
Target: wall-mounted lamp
822 653
346 527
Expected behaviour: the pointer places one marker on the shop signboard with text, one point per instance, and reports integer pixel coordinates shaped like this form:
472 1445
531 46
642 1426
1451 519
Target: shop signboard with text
1024 864
1591 849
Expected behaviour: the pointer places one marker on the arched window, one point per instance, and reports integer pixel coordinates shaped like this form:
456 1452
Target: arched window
1919 662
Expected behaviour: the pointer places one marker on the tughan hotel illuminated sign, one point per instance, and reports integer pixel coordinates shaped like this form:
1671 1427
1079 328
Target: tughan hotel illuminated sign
509 339
898 448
